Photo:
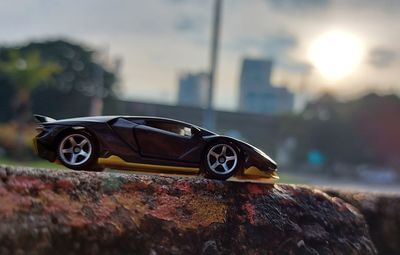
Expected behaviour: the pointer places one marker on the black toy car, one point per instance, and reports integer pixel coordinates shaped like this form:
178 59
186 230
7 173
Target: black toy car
148 144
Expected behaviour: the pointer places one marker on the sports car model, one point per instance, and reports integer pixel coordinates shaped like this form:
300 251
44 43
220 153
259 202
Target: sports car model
148 144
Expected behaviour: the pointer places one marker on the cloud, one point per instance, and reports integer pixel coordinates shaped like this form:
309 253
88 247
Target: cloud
387 6
276 46
382 58
293 66
279 44
298 5
160 38
272 45
189 24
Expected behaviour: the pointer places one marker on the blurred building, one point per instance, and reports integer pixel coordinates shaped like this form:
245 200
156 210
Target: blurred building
258 94
234 124
193 89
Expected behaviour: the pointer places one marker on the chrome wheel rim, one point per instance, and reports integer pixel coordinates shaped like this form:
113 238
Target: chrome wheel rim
75 149
222 159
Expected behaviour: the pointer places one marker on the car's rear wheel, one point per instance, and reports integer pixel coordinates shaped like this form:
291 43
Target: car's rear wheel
78 151
221 160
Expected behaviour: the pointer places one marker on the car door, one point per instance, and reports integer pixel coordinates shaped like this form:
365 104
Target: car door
161 140
123 128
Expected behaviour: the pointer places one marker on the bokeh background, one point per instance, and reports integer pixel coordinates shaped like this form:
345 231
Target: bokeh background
313 83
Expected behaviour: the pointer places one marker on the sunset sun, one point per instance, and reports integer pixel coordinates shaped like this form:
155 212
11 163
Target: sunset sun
335 54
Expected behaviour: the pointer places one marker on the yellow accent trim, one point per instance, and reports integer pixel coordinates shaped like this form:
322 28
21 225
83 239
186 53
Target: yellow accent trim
251 174
115 161
35 149
254 172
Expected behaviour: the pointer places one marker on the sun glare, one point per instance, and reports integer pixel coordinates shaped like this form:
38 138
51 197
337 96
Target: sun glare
336 54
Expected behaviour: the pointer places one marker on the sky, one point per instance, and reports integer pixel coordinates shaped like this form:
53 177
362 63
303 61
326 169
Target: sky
158 40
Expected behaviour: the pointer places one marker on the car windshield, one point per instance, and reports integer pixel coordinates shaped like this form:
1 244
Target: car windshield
175 128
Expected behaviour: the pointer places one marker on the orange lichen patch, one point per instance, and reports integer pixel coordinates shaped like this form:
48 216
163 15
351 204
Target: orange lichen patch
3 190
166 207
27 183
134 203
139 185
104 208
186 211
60 203
130 201
77 221
103 211
250 212
190 212
9 202
205 210
55 203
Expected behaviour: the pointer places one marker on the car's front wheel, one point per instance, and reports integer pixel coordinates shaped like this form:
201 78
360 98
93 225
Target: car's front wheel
221 160
78 151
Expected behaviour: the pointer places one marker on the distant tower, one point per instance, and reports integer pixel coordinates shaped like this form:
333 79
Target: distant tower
257 94
254 78
193 89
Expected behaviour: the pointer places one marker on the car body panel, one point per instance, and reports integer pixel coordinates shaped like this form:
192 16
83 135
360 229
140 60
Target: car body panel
125 131
134 142
156 143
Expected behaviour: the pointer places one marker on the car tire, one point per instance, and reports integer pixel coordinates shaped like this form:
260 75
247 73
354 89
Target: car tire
78 150
221 160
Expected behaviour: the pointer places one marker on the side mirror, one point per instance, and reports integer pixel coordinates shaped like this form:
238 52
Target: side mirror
196 132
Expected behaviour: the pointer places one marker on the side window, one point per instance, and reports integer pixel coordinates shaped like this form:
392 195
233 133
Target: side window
175 128
136 120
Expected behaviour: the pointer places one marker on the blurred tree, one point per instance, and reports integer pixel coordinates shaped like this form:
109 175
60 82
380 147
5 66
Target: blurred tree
69 91
26 72
76 83
55 78
362 131
7 92
80 66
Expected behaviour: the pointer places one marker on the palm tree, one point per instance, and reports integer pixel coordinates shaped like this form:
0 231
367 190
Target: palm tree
26 72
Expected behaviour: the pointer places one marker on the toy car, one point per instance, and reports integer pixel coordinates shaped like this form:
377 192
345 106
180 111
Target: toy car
148 144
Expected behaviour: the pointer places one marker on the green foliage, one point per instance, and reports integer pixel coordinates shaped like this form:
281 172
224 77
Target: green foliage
26 71
362 131
80 70
60 77
7 91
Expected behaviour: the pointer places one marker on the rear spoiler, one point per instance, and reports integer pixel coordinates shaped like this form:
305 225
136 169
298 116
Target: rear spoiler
42 119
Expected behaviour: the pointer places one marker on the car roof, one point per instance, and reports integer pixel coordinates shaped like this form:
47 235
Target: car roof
108 118
165 119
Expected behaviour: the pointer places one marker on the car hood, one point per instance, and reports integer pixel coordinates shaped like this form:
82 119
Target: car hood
257 150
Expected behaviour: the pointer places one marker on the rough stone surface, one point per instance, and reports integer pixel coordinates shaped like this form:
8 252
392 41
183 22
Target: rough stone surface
382 213
66 212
